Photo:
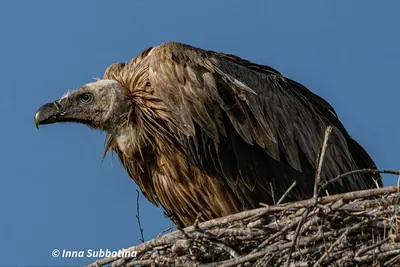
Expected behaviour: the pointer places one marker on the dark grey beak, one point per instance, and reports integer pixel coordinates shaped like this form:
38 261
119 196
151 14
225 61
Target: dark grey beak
48 113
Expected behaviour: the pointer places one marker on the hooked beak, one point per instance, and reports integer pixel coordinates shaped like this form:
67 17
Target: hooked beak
48 113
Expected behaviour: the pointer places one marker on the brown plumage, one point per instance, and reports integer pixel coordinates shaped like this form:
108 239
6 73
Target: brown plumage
211 133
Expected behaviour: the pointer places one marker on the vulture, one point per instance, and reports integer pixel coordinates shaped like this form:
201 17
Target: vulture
212 134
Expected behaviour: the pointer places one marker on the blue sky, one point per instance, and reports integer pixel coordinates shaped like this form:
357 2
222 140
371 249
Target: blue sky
56 193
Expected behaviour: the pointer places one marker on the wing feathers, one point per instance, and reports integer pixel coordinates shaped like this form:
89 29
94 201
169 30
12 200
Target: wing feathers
278 114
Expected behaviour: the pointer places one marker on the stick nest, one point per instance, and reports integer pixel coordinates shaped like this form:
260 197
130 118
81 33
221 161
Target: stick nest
353 229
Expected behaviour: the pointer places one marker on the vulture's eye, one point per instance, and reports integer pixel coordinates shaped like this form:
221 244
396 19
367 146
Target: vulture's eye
86 98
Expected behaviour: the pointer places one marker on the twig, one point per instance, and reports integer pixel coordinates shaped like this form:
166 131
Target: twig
321 158
296 234
286 193
139 262
392 261
166 230
228 249
362 251
341 176
196 222
272 193
138 217
326 253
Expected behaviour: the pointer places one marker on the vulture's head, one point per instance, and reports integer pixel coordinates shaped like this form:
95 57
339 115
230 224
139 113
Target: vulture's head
100 105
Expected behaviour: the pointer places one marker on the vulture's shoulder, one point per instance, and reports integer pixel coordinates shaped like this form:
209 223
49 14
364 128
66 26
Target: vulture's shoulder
113 71
179 51
174 54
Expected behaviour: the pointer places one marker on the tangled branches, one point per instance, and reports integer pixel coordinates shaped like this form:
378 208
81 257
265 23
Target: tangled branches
357 228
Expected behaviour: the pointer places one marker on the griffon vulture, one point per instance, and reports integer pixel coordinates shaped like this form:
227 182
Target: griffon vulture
212 133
